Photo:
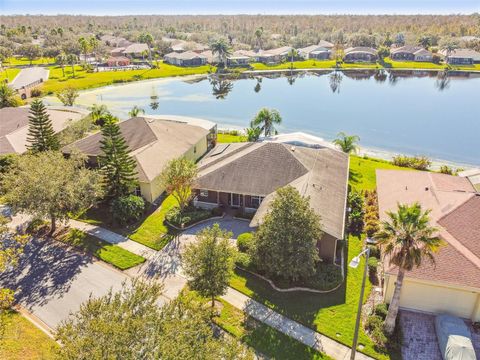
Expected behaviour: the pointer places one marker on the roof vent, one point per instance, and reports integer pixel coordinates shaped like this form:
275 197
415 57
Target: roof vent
293 148
150 120
426 188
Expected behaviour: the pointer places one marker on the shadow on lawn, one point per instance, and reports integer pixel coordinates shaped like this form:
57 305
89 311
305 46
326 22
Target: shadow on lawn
298 305
45 270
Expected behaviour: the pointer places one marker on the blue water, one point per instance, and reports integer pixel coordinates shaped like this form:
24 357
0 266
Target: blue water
417 115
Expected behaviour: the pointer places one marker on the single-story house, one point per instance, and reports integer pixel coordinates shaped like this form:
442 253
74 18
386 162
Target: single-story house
115 41
232 60
136 50
117 51
118 61
187 58
183 45
410 53
452 284
461 57
246 177
321 51
273 56
14 126
153 142
360 54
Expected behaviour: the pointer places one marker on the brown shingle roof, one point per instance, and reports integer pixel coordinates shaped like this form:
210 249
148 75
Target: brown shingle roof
455 211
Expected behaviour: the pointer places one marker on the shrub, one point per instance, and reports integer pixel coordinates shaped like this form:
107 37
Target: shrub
373 322
374 251
36 92
35 226
379 337
371 228
243 260
127 209
217 211
414 162
381 310
245 242
372 264
444 169
189 216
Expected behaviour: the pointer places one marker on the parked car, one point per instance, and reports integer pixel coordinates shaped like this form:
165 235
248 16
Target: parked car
454 338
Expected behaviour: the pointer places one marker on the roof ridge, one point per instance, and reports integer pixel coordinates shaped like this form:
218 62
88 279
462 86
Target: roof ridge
226 156
462 249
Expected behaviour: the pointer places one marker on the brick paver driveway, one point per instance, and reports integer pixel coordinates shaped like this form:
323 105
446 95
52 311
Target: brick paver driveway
419 337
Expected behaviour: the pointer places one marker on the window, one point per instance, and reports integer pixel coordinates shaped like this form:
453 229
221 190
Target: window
256 201
204 193
138 191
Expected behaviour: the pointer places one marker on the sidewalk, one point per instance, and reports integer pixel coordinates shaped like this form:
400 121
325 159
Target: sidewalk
289 327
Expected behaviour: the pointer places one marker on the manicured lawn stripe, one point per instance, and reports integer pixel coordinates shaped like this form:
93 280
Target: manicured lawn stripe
8 74
153 232
263 338
112 254
16 61
23 340
228 138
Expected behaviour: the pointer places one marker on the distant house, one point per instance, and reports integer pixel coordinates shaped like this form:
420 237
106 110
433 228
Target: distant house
115 61
232 60
115 41
153 142
410 53
182 45
117 51
273 56
14 126
246 177
452 285
360 54
322 51
187 58
136 50
461 57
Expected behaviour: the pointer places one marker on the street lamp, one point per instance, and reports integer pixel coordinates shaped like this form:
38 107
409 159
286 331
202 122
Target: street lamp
354 264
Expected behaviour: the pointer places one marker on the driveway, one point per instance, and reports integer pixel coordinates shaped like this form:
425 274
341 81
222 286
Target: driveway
419 337
51 281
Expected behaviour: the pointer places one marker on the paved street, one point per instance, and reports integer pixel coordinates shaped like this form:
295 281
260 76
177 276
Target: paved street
52 281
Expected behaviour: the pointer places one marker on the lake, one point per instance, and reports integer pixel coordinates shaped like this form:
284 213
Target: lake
407 112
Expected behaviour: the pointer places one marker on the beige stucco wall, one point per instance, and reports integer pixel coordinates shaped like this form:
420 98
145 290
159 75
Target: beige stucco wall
152 190
435 297
327 247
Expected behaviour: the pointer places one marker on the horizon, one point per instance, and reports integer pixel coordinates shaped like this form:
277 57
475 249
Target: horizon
236 7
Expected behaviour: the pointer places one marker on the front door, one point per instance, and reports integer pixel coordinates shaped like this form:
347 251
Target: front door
235 200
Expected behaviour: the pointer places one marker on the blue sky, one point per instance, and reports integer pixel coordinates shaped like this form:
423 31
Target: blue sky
135 7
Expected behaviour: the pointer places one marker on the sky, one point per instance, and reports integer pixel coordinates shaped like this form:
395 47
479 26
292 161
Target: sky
162 7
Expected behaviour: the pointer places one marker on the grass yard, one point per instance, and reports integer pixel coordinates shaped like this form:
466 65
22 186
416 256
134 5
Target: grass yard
228 138
153 232
332 314
18 61
263 338
112 254
22 340
362 171
392 64
86 80
9 74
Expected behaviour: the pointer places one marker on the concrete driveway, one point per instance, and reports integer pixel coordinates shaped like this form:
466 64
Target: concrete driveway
51 280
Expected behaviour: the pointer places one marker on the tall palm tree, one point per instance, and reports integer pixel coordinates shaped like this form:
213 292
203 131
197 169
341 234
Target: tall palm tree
292 54
406 239
449 48
85 46
62 60
425 41
93 43
348 143
147 38
136 111
267 119
99 113
258 37
8 96
72 60
222 48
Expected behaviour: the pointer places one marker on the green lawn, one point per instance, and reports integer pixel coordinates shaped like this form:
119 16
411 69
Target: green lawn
332 314
16 61
112 254
362 171
228 138
86 80
23 340
263 338
153 232
389 63
9 74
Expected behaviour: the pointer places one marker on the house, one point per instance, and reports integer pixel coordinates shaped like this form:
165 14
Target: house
273 56
245 176
115 41
14 126
115 61
136 50
232 60
117 51
182 45
187 58
473 175
360 54
461 57
322 51
410 53
452 284
153 142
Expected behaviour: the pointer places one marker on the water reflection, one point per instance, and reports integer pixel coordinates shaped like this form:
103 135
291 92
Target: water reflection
335 80
380 76
443 80
221 87
258 86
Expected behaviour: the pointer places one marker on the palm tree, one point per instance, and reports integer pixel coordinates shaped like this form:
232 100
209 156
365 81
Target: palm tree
147 38
253 133
267 119
406 239
85 46
98 113
449 48
258 36
425 41
348 143
93 43
292 54
8 96
222 48
72 60
61 60
136 111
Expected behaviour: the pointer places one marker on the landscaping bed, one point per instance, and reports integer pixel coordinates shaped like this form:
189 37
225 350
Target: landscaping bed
23 340
189 216
112 254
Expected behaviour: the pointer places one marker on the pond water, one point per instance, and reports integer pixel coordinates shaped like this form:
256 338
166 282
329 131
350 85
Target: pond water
408 112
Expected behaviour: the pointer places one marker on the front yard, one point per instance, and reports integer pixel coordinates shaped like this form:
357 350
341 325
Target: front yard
23 340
